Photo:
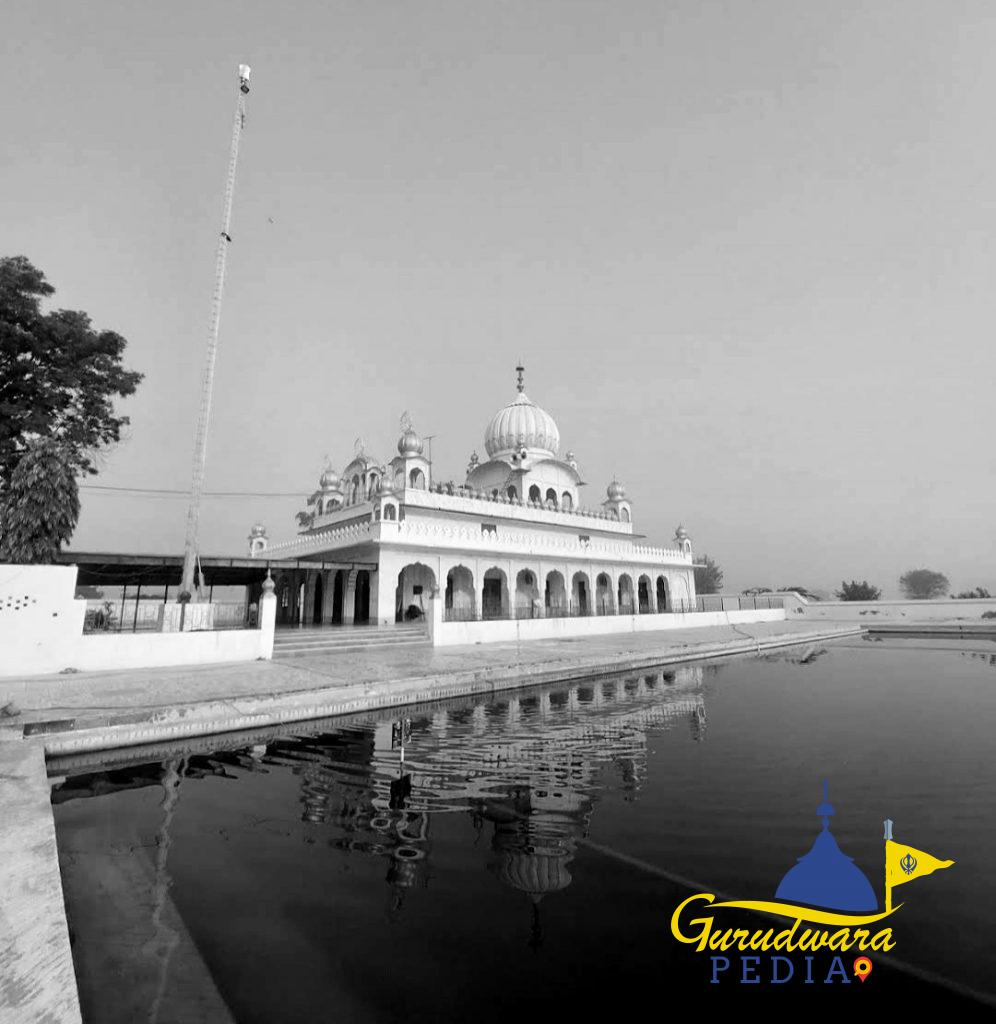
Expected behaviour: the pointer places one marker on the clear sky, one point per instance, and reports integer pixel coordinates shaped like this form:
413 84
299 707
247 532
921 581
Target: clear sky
745 249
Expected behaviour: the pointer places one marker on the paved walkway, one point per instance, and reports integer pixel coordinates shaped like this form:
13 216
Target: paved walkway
136 694
36 966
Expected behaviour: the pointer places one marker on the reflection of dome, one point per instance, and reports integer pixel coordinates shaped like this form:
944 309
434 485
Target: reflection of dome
410 443
523 424
534 873
615 491
826 877
258 530
329 480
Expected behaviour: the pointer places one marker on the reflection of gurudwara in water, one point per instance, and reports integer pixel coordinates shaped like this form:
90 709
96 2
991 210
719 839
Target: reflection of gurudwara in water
826 877
533 843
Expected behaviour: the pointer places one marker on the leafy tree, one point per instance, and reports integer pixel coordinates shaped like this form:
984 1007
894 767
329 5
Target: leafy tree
978 592
58 376
708 576
40 505
855 591
923 584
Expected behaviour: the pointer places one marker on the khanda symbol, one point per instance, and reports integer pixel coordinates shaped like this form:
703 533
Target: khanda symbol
908 864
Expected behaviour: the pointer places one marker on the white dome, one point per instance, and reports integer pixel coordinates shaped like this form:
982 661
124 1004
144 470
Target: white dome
410 443
523 424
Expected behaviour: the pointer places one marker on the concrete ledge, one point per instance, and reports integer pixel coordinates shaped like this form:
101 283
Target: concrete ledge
252 712
524 630
955 629
37 982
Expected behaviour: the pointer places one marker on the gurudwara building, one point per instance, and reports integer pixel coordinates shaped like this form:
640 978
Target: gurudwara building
514 541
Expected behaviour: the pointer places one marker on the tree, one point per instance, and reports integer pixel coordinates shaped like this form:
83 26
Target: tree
40 505
923 584
58 376
978 592
855 591
708 576
801 591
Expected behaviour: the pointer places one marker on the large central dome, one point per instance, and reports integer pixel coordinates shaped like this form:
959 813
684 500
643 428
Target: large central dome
523 424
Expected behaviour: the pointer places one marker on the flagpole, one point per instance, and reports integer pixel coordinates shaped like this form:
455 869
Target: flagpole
888 885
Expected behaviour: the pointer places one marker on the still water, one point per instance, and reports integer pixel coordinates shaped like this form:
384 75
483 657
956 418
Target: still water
523 855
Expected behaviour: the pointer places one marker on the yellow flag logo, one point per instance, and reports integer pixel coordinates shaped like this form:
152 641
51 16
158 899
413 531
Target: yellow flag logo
904 863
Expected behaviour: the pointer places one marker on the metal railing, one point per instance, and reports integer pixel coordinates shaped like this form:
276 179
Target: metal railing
144 616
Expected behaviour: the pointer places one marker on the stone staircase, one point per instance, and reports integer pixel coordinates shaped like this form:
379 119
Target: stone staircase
295 642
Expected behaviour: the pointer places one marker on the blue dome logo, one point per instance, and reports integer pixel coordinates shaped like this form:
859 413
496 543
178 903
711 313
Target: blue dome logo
826 877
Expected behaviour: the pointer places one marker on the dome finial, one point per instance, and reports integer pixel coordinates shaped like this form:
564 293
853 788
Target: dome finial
521 383
825 810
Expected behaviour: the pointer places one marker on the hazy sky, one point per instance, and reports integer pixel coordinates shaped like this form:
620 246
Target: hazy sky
746 250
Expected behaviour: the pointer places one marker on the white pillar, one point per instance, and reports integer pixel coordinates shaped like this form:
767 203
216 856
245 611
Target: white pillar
267 618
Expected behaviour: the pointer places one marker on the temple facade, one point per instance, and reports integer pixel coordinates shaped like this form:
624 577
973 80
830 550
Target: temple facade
515 540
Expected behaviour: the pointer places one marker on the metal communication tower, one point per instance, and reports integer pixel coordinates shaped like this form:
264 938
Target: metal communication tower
211 354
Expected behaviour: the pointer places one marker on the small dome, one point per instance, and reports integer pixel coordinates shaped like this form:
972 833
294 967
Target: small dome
522 424
410 443
329 480
258 530
615 491
681 533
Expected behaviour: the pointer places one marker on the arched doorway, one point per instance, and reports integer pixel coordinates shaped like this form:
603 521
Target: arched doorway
494 595
604 602
625 594
555 597
459 605
663 602
580 594
316 617
643 595
361 598
416 583
526 594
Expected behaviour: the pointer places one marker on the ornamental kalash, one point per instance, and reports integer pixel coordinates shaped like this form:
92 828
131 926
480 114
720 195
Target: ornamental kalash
511 552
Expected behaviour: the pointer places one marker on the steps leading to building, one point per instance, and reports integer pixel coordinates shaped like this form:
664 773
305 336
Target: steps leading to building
342 639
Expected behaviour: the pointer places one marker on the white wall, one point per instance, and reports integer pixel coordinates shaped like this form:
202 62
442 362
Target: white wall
446 634
41 631
870 612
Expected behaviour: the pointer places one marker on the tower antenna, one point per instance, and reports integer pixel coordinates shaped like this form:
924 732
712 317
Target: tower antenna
211 352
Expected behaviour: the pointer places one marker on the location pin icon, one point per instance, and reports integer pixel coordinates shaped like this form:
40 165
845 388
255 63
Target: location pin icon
862 967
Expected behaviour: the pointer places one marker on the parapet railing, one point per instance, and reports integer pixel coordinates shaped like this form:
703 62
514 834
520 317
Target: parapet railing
471 536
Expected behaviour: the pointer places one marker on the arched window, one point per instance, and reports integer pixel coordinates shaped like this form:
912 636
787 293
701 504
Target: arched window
567 502
534 493
624 515
356 490
416 479
494 493
512 492
372 487
551 498
390 513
